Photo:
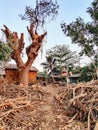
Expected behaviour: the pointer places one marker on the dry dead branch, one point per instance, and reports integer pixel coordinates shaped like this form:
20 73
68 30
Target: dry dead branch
35 108
81 101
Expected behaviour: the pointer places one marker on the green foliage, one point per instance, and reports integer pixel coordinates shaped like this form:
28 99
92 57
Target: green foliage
85 34
87 73
63 56
5 51
80 33
93 11
48 65
59 57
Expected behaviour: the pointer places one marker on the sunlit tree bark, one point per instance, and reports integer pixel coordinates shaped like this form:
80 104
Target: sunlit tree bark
17 45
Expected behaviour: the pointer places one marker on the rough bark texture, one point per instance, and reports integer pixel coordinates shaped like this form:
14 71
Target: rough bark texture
24 78
17 44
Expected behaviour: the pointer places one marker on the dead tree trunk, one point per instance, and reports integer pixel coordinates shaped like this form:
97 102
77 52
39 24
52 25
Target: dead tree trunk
23 76
17 44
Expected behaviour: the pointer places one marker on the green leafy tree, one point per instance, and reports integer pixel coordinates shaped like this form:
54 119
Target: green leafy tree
5 51
5 54
59 57
87 73
63 56
49 65
85 34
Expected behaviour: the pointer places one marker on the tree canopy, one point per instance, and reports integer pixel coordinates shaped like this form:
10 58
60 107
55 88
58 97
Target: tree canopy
5 51
59 57
85 34
44 11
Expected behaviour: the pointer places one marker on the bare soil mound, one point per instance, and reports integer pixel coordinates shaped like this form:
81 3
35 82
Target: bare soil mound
52 107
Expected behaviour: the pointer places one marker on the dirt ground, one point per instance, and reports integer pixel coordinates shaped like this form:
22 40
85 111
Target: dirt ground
35 107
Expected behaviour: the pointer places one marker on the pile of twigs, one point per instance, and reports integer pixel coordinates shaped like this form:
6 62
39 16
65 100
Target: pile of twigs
35 108
81 102
20 108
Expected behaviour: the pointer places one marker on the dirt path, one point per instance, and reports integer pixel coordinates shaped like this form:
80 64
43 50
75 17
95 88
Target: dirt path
55 117
48 109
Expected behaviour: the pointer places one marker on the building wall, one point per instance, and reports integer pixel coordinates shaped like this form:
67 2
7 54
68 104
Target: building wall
32 76
12 76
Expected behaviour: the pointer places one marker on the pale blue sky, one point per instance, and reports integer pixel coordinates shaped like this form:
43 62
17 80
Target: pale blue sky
68 11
